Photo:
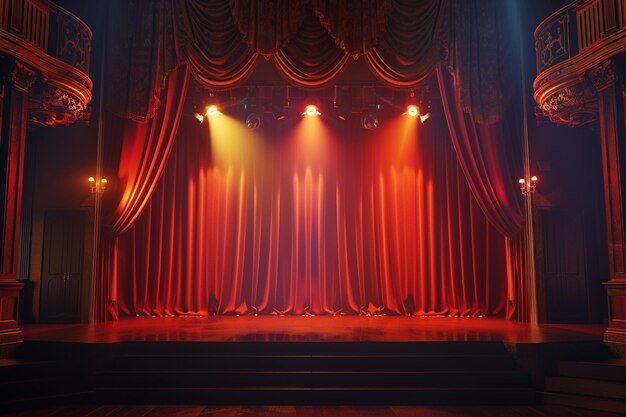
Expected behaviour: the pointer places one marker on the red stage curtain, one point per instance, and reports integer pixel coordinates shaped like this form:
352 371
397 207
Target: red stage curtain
312 58
355 26
310 41
489 155
253 18
484 55
209 41
140 52
310 223
413 43
145 148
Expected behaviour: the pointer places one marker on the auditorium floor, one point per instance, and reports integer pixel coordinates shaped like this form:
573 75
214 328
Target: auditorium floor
311 329
311 411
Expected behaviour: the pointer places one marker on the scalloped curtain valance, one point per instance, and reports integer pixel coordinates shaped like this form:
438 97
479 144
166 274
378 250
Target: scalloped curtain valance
311 42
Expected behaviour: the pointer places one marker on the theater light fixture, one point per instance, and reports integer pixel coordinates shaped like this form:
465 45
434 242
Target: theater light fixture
412 110
212 111
254 121
528 186
311 110
369 120
97 186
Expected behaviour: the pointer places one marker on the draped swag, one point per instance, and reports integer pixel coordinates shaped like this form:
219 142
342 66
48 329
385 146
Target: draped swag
469 43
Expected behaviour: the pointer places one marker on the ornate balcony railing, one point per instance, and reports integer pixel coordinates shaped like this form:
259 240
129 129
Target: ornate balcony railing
569 44
56 44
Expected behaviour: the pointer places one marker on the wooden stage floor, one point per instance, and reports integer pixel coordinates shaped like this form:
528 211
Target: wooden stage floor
311 329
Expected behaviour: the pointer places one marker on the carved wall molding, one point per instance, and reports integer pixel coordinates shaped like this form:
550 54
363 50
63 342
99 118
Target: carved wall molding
51 48
603 76
22 77
574 105
52 106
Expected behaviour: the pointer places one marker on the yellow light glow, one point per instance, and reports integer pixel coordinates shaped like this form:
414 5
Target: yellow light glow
424 117
103 181
522 181
199 117
212 111
412 111
311 110
534 178
91 179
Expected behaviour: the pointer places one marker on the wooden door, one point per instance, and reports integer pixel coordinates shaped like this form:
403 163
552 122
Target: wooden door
564 267
62 269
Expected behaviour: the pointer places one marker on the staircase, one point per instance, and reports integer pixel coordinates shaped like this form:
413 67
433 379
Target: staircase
32 383
314 373
598 385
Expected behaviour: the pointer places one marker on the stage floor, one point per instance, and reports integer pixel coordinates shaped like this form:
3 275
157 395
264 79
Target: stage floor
312 329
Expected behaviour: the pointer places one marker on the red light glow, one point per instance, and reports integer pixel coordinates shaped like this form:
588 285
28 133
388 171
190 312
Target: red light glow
311 110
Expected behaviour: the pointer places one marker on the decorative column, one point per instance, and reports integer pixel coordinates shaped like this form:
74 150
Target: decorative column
608 84
16 82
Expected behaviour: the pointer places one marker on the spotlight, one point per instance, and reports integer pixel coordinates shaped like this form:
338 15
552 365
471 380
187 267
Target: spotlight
212 111
311 110
254 121
412 110
369 120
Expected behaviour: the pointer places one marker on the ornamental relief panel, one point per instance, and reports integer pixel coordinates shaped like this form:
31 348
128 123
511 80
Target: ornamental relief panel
552 44
573 106
74 43
51 106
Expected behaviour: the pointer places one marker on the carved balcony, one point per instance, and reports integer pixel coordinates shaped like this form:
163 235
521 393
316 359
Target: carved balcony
51 47
578 47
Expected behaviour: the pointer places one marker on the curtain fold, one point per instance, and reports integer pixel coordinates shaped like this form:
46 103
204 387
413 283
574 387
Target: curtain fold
413 43
210 43
140 53
312 58
310 41
253 18
489 156
145 148
484 55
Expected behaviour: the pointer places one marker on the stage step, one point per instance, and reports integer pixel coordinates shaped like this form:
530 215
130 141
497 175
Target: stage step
28 383
599 385
314 373
312 362
314 379
610 370
330 396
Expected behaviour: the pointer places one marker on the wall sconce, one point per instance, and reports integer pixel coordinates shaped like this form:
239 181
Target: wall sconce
97 186
528 186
